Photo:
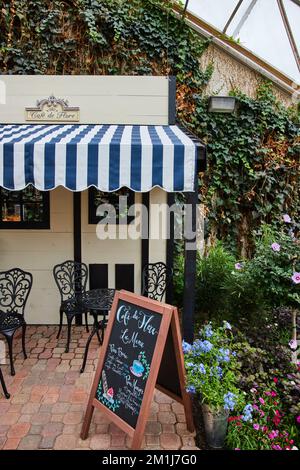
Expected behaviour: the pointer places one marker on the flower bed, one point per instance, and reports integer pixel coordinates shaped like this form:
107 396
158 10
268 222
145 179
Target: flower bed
264 409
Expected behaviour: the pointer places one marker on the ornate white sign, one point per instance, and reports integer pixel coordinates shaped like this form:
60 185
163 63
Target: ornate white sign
52 110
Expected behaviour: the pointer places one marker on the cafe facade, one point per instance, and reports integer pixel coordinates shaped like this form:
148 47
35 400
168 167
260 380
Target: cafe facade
69 144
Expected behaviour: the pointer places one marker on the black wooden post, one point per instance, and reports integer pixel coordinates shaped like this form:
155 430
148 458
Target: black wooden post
189 294
145 235
170 249
77 236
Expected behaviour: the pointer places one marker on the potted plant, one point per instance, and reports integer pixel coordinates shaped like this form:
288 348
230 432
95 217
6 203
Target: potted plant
212 366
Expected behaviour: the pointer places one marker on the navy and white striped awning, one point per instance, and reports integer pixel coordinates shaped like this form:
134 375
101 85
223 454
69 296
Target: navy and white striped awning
105 156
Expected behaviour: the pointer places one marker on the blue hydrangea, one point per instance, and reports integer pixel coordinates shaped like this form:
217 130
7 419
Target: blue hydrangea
227 325
247 413
229 401
191 389
186 347
208 332
224 355
202 369
202 346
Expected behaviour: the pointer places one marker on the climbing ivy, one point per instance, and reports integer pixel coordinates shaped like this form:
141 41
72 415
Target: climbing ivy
253 173
254 166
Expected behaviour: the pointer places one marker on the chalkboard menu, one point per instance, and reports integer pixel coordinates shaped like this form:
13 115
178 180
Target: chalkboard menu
141 351
128 359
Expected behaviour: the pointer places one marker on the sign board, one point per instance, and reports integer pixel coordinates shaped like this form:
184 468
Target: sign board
52 110
141 351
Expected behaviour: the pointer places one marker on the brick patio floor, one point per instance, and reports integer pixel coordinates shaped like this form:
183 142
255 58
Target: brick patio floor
49 395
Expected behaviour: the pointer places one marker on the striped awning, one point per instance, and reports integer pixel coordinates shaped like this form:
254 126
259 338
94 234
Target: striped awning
105 156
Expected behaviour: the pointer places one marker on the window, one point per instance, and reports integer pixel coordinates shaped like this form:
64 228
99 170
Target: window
121 206
28 209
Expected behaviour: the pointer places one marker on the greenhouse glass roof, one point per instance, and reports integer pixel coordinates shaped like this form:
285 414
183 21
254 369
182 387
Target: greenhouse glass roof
268 28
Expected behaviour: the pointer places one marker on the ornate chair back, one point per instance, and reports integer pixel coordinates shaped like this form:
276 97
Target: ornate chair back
156 277
71 278
15 287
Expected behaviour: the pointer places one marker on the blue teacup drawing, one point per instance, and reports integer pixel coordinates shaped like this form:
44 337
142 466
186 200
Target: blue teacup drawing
137 368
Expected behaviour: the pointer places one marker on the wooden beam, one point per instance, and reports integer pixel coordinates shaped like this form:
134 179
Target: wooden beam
145 235
189 294
170 250
77 236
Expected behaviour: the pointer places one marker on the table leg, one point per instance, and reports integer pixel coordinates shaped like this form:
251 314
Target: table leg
6 394
93 332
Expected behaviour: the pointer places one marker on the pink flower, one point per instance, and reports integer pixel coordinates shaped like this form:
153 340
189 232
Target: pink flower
296 278
293 344
275 380
261 413
287 218
262 401
237 448
255 407
253 390
298 419
275 246
273 394
268 394
276 447
256 427
273 434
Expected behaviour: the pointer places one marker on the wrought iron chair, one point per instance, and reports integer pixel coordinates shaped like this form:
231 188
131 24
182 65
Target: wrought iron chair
6 394
71 279
15 286
155 277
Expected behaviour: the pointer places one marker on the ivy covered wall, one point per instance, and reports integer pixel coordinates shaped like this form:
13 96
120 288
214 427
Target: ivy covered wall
253 173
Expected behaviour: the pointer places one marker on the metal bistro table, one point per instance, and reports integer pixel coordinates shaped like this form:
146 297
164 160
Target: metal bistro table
97 302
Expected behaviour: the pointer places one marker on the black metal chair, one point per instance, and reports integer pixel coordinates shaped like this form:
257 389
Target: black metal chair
6 394
15 286
156 277
71 279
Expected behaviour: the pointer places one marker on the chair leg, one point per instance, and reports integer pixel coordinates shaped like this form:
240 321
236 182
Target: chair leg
69 319
6 394
23 340
86 322
9 339
60 323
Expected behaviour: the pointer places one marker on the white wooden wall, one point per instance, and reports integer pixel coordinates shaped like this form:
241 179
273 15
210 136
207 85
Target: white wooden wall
38 251
102 99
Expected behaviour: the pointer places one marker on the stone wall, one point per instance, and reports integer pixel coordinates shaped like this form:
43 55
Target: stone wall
231 73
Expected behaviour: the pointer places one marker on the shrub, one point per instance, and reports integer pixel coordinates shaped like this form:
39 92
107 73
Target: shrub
211 366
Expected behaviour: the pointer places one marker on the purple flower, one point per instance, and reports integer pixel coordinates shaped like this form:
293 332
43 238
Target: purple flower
275 246
293 344
262 401
256 427
287 218
296 278
238 266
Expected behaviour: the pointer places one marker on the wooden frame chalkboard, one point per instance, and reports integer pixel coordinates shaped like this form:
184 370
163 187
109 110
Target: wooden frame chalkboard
164 346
